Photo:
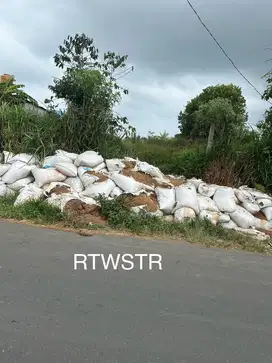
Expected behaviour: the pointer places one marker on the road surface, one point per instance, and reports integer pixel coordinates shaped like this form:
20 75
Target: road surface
205 305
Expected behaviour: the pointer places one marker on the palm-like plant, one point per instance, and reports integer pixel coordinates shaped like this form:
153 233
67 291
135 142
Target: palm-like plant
13 94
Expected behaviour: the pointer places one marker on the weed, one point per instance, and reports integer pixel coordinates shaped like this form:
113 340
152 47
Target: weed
37 211
195 231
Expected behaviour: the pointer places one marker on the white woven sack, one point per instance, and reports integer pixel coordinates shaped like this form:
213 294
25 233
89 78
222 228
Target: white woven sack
225 199
4 168
186 196
18 170
229 225
127 184
251 207
116 192
206 189
213 217
86 178
146 168
103 189
51 161
183 214
114 165
75 183
25 158
21 183
206 203
68 169
3 189
244 219
66 154
166 199
89 158
268 213
47 176
224 218
263 203
29 192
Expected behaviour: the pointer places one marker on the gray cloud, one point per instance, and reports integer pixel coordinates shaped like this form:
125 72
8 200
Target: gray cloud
173 55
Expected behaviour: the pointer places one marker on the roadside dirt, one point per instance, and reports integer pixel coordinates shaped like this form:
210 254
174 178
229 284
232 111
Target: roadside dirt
83 213
62 189
136 200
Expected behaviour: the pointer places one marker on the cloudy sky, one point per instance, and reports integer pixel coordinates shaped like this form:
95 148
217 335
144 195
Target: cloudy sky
173 56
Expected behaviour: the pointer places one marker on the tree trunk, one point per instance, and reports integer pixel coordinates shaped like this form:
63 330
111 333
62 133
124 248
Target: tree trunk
210 138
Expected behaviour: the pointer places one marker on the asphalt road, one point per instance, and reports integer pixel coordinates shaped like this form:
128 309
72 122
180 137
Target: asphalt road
205 305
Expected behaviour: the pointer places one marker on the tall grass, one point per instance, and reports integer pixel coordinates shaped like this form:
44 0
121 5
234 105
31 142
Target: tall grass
246 160
24 131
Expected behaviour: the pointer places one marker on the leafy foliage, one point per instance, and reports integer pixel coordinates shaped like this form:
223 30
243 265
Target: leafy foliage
265 126
13 94
219 115
188 125
91 92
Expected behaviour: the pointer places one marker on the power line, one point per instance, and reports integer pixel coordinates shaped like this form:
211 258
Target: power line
123 73
216 41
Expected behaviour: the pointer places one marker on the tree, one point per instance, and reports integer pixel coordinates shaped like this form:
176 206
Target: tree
89 87
13 94
265 126
267 95
218 114
187 125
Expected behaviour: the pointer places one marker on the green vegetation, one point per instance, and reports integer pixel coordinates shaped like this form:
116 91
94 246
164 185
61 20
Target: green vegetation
35 211
13 93
191 127
214 143
196 231
90 89
122 219
213 121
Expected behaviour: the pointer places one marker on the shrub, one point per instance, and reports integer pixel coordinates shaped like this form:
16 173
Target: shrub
24 131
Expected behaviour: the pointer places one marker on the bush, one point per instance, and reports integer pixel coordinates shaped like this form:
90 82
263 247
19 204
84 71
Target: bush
24 131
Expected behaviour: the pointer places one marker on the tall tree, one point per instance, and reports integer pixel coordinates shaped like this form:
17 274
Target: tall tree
187 123
219 115
89 87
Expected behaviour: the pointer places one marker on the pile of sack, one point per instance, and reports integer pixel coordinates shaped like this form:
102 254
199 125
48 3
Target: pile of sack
66 176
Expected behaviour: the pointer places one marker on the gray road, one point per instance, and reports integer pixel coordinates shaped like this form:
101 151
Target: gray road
205 306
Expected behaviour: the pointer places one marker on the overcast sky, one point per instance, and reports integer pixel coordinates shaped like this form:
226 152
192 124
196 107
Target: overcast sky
174 57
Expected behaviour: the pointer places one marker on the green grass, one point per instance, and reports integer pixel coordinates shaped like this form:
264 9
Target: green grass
35 211
196 231
122 219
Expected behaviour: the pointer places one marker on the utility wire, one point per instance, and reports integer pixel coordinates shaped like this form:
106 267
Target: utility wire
123 73
234 65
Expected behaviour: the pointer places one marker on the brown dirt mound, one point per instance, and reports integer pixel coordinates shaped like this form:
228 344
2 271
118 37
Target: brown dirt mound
81 212
260 215
136 200
140 177
101 177
176 182
163 185
62 189
129 164
147 179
